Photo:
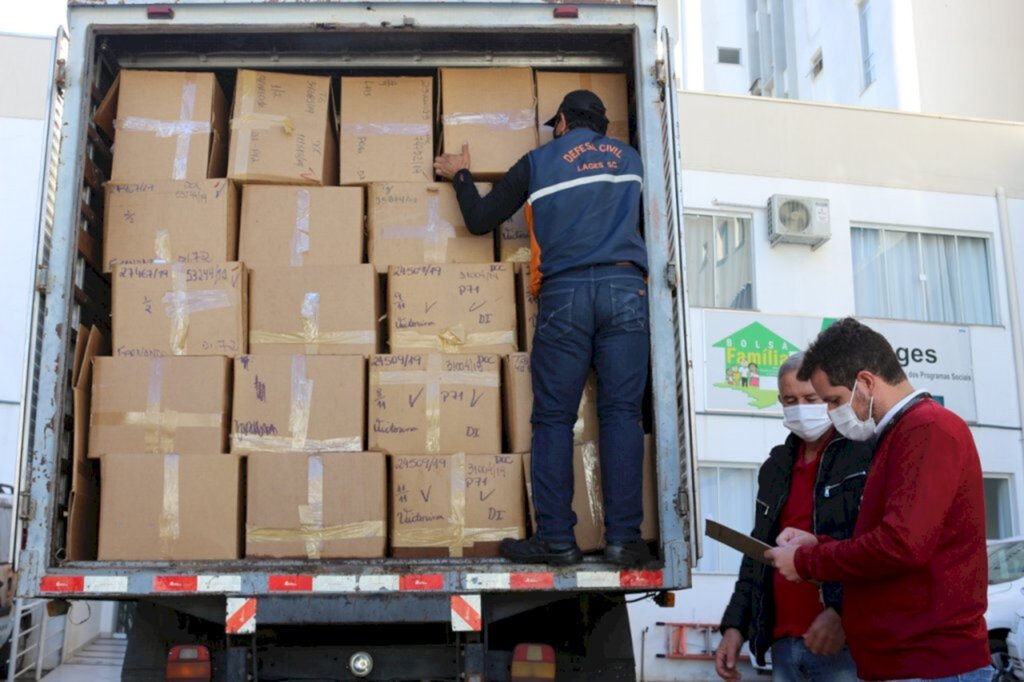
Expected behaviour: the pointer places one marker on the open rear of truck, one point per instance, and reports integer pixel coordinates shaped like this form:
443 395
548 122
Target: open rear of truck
397 611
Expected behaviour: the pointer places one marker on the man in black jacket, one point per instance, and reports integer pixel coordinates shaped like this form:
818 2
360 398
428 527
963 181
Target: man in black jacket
814 480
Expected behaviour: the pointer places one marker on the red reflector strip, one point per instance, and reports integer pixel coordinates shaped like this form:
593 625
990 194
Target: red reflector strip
532 581
175 583
466 613
290 583
425 582
641 579
62 583
567 12
241 617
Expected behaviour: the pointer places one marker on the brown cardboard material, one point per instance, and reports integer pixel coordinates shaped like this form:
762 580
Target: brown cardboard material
432 403
514 239
494 111
282 130
387 130
316 310
455 505
295 226
159 405
588 500
420 222
610 87
170 507
526 304
180 309
170 125
170 221
84 500
518 403
298 403
330 505
452 308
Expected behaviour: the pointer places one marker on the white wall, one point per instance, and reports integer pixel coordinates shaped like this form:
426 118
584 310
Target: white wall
724 25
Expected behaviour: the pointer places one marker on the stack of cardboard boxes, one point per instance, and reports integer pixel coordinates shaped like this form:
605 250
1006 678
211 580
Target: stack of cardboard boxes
249 407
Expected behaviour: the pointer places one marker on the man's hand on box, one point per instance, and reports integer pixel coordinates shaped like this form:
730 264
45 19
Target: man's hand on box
447 165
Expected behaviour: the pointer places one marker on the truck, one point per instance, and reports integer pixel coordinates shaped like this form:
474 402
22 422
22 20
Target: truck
386 619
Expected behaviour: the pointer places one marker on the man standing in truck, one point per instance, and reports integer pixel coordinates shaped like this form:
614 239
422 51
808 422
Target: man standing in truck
813 481
588 271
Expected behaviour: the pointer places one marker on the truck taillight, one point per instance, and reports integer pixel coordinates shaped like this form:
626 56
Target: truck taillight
189 663
532 663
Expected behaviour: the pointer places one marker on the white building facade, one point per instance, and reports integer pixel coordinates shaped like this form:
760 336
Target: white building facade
920 211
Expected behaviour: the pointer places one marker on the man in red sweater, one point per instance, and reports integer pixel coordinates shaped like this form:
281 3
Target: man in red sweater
915 571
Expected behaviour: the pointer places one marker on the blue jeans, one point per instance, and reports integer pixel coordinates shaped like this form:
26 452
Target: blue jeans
594 316
980 675
792 661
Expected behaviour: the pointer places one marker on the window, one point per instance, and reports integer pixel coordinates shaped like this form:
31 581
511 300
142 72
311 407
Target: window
817 64
728 55
719 261
727 496
921 276
998 508
866 54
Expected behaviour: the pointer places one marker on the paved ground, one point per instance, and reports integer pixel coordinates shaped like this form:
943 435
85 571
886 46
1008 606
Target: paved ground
71 672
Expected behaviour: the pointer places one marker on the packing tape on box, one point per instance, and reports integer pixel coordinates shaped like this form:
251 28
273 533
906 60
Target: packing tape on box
374 129
450 340
432 379
434 235
456 536
356 530
170 515
247 124
311 514
180 303
297 439
257 121
300 237
160 424
162 247
520 255
311 336
183 129
519 119
592 479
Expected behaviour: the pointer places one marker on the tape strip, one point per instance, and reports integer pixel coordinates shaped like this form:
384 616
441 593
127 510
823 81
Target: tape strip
346 531
310 314
519 119
520 255
457 517
188 105
300 238
346 338
371 129
176 306
301 403
170 517
257 121
311 514
450 340
592 479
162 247
257 443
434 235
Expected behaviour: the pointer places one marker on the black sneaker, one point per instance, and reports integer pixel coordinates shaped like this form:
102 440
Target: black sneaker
628 553
537 551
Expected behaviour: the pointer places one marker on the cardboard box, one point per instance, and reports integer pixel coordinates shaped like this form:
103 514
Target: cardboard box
299 403
330 505
437 404
316 310
294 226
84 499
518 403
492 109
160 405
588 500
526 304
387 130
180 309
452 308
514 239
420 222
610 87
170 221
169 125
455 505
283 130
170 507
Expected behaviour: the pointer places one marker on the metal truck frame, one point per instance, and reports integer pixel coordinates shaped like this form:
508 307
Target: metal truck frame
106 35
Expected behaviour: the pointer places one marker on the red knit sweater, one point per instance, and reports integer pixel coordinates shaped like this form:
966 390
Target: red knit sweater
915 573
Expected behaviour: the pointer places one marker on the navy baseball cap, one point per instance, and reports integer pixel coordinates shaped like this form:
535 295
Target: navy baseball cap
583 101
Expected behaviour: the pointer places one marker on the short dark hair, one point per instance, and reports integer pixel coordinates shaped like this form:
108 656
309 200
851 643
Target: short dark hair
585 119
848 347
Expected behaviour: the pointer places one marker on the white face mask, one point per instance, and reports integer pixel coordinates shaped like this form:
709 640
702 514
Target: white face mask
809 422
849 424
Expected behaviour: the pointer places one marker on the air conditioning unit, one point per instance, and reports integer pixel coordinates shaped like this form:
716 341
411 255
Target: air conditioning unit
798 220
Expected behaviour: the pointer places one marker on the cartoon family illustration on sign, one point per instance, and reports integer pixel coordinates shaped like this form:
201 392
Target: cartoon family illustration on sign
743 373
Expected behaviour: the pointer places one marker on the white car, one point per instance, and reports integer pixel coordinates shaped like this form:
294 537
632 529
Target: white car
1005 603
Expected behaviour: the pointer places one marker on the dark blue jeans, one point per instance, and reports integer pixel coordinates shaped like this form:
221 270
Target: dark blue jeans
792 661
594 316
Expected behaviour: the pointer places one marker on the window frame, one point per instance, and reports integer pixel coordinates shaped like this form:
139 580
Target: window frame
743 466
867 53
918 231
1011 495
736 239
